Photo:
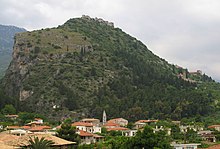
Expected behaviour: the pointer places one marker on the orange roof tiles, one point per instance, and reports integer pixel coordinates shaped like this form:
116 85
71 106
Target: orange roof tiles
13 127
39 128
213 126
117 129
85 134
25 127
111 124
82 124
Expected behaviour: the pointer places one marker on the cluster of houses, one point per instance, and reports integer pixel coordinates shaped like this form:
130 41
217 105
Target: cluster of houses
90 130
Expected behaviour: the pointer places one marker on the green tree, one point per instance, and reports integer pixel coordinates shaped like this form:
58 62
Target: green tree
68 132
36 143
8 109
148 139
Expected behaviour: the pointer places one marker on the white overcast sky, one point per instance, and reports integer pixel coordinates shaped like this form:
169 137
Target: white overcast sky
184 32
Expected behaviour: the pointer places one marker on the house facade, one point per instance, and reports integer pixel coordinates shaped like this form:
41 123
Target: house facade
120 121
88 127
185 146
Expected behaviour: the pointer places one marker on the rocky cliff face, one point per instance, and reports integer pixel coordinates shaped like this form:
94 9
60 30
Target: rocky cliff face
40 49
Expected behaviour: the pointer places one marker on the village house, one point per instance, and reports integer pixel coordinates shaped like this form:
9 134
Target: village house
162 128
39 120
216 127
207 135
120 121
88 127
190 127
141 123
89 138
185 146
12 116
129 133
111 125
93 121
12 127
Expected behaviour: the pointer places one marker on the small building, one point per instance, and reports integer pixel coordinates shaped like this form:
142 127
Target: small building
120 121
12 116
88 127
142 123
12 127
185 146
18 132
93 121
207 136
40 129
161 128
190 127
111 125
216 127
38 120
129 133
117 129
89 138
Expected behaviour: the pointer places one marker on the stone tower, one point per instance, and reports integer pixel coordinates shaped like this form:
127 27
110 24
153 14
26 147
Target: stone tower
104 118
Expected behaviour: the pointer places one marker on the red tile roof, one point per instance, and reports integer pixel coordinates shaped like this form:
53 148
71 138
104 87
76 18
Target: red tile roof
111 124
25 127
85 134
213 126
82 124
117 129
13 127
214 147
146 121
39 128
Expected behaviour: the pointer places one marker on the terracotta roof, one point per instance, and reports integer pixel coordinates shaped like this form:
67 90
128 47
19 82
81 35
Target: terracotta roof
85 134
213 126
39 128
117 129
7 137
4 146
97 136
146 121
13 127
111 124
38 119
214 147
58 127
82 124
25 127
16 141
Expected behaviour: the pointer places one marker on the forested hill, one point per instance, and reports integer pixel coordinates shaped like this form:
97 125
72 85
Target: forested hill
87 66
6 45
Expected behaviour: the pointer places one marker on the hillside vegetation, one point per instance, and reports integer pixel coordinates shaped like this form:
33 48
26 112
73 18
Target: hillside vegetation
87 66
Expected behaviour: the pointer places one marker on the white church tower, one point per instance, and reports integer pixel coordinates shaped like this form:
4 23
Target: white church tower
104 118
